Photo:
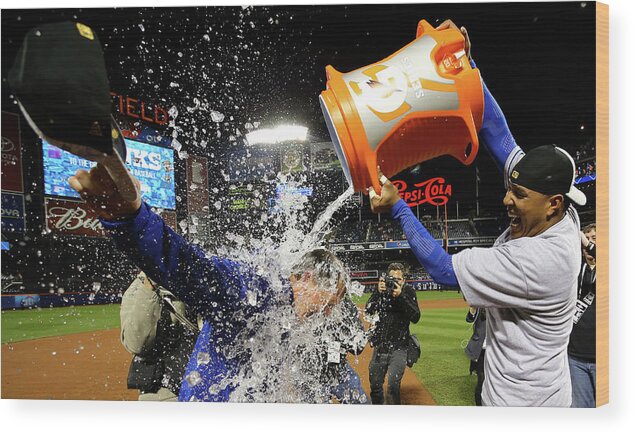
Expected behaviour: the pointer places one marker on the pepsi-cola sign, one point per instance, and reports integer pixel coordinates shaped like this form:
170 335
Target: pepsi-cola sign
435 191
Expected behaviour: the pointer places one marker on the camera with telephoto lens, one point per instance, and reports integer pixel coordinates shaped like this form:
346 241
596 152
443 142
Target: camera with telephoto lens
390 284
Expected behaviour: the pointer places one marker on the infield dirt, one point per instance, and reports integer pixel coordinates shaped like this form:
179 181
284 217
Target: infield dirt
94 366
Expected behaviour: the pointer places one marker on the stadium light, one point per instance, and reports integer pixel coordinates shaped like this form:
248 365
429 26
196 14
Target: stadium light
277 135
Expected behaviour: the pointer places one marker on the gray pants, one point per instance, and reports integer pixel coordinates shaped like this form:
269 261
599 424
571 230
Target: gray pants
393 363
163 394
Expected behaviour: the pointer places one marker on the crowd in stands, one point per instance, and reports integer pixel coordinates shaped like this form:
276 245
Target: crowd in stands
586 168
584 151
461 229
418 274
13 283
390 230
584 155
489 226
352 232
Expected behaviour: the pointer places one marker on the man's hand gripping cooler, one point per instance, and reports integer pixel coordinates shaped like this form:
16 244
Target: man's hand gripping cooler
389 196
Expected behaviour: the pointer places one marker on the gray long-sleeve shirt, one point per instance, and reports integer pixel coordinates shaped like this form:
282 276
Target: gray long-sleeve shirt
528 286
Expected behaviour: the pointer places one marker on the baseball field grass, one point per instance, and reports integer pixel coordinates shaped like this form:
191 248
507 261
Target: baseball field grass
443 366
23 325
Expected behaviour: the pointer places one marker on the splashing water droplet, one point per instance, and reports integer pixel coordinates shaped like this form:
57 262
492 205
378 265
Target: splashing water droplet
202 358
217 116
193 378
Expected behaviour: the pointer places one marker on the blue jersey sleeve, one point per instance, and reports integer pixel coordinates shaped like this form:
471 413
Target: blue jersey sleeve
201 281
428 252
496 135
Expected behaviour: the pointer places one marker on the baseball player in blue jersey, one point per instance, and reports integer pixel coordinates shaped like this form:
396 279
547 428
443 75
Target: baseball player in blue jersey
236 303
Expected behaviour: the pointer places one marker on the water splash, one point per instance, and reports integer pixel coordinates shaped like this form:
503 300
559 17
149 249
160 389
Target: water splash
321 226
291 360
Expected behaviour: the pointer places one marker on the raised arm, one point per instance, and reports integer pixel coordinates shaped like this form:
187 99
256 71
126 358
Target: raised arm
166 257
496 135
428 252
206 284
426 249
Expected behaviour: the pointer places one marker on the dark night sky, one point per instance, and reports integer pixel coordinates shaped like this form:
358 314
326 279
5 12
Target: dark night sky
267 63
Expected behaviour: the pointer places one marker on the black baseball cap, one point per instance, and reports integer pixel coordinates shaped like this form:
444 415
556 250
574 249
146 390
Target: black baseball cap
548 170
59 79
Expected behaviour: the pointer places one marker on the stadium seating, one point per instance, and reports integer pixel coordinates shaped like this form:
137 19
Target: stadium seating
390 230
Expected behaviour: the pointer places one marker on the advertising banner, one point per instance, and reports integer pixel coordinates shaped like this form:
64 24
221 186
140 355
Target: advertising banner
470 242
370 246
169 217
145 134
291 160
251 164
435 191
364 275
243 197
69 217
197 185
20 301
152 165
359 247
12 213
323 156
11 302
396 245
11 153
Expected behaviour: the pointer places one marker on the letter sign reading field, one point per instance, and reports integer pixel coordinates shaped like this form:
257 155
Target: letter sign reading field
138 109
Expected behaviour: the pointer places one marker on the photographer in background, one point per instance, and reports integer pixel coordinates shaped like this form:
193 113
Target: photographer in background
582 345
160 332
395 303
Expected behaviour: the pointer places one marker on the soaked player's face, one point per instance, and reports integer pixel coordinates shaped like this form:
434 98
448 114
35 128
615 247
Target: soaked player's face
309 297
530 212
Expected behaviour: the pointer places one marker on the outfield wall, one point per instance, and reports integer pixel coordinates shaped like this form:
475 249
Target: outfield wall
24 300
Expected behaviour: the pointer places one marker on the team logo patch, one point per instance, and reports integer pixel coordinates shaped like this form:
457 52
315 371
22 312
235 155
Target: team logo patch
85 31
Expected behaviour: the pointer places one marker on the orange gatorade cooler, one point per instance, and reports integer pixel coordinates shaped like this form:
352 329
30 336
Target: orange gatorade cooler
421 102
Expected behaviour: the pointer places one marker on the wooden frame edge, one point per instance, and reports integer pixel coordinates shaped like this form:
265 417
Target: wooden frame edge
602 204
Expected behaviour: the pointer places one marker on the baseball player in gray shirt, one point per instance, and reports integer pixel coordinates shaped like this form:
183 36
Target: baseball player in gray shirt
527 280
